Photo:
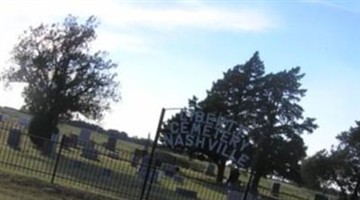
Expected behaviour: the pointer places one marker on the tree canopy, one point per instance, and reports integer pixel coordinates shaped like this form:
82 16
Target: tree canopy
63 75
340 166
268 104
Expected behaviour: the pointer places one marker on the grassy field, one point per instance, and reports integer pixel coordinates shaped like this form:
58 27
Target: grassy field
124 181
87 175
15 187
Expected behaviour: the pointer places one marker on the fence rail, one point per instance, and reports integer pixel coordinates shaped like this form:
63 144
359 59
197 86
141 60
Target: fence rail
115 173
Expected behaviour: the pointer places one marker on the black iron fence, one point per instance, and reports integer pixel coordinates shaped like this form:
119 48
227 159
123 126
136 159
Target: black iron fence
116 173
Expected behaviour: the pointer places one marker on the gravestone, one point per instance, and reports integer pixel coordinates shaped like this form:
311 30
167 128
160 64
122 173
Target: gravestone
78 164
67 142
152 173
234 195
84 137
179 179
106 172
234 176
114 155
90 152
4 117
189 194
169 169
14 139
49 147
135 160
144 167
320 197
73 140
210 170
55 140
138 154
275 189
147 143
111 143
160 175
23 121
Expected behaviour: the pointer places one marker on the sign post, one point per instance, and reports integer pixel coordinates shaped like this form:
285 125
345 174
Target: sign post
152 152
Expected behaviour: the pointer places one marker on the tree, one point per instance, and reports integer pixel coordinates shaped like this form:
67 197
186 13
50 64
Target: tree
118 134
316 169
340 167
235 96
349 149
268 105
61 73
279 124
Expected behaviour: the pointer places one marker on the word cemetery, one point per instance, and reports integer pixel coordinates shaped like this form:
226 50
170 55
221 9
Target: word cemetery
208 132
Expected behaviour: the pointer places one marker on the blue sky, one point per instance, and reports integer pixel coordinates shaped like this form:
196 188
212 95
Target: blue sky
168 51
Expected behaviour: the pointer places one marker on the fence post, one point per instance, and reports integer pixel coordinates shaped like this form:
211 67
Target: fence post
152 152
57 159
151 181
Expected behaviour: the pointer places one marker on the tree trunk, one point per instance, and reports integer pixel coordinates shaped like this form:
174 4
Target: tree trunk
255 183
220 173
355 196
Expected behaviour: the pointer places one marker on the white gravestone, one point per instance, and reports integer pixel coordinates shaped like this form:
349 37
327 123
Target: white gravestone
4 117
14 139
84 137
54 142
23 121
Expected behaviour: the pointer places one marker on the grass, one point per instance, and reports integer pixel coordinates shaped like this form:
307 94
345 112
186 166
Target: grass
86 175
35 189
79 172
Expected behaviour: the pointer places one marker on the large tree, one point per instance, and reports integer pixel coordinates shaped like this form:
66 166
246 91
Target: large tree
340 167
316 169
268 105
62 74
279 125
350 146
235 96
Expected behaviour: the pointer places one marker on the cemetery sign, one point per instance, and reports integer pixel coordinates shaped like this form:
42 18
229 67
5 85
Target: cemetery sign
209 132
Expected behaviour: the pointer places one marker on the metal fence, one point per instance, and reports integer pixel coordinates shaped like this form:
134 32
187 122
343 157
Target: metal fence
93 167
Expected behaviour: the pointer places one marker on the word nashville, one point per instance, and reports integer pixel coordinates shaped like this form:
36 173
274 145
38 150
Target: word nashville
207 132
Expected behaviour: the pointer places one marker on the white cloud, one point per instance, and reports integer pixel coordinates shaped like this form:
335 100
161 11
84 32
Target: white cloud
121 41
125 21
123 14
130 27
201 17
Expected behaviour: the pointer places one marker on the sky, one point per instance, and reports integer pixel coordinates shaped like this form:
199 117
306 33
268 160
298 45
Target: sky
168 51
